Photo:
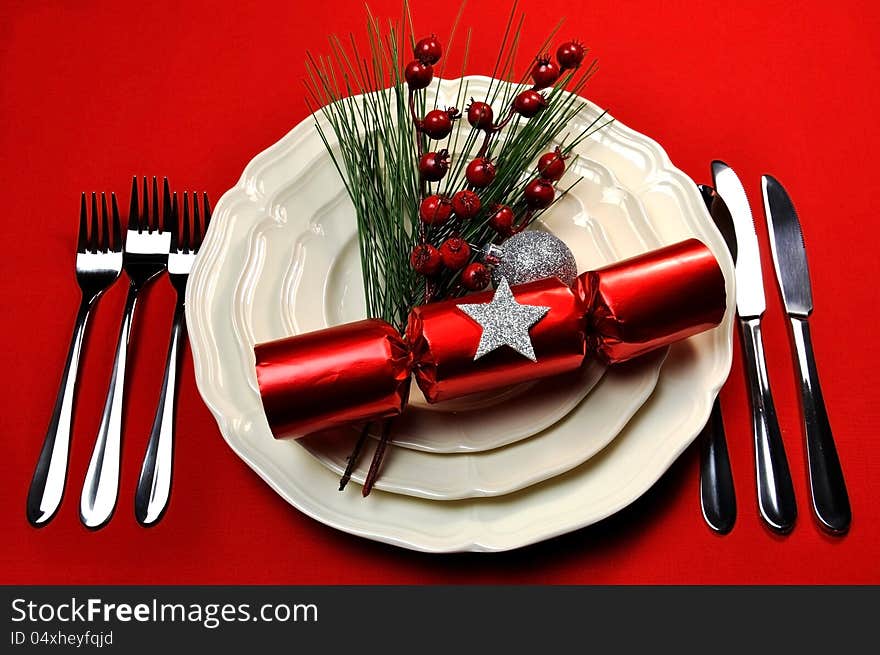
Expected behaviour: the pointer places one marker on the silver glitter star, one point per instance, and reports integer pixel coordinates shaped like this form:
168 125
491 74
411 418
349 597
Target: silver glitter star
505 322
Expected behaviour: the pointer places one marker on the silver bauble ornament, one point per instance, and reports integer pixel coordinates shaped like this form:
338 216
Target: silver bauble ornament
532 255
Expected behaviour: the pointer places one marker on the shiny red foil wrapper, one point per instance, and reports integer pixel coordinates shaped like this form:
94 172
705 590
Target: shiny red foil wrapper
652 300
444 341
337 376
361 371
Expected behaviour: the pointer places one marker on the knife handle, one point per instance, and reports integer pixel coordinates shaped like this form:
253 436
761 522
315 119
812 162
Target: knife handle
827 486
717 496
776 499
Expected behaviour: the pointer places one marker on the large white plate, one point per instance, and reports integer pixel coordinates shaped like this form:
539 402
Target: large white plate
607 482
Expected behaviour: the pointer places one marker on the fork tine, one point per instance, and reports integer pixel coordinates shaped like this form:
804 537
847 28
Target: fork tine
143 218
154 214
197 228
175 238
186 221
117 228
105 227
166 206
83 235
93 236
133 205
171 224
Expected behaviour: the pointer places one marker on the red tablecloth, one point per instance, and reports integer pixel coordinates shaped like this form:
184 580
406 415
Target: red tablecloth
94 92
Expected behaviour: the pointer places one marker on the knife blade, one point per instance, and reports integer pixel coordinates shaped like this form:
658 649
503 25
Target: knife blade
827 485
776 500
749 284
787 248
721 217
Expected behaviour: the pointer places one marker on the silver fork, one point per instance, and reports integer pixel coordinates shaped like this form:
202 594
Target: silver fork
98 264
154 484
145 257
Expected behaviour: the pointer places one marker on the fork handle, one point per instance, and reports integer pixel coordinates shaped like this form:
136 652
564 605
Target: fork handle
827 486
98 499
776 499
50 475
154 484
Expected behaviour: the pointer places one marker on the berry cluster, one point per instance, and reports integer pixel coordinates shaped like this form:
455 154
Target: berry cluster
420 71
538 194
454 253
569 55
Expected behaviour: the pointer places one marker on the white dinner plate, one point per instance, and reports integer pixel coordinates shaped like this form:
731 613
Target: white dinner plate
665 425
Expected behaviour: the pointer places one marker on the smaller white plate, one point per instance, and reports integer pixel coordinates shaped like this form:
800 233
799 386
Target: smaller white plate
511 445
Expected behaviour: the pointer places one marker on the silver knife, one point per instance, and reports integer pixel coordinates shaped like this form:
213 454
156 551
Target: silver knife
776 500
827 486
717 494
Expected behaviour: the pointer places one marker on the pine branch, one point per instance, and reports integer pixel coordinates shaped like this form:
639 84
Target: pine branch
365 102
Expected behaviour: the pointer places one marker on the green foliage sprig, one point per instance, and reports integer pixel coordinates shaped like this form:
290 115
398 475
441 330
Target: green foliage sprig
364 101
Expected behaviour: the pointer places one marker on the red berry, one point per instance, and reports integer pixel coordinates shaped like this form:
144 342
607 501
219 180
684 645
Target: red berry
529 103
418 75
480 172
435 210
465 204
502 220
425 259
551 165
475 276
437 123
480 115
539 193
570 55
433 165
428 50
455 252
544 72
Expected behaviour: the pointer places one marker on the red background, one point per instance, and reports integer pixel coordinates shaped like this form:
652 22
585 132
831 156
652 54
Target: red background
94 92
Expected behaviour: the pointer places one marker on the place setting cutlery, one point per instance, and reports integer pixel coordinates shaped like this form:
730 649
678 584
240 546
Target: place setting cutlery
98 265
154 482
717 493
827 486
729 208
164 234
147 243
157 239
